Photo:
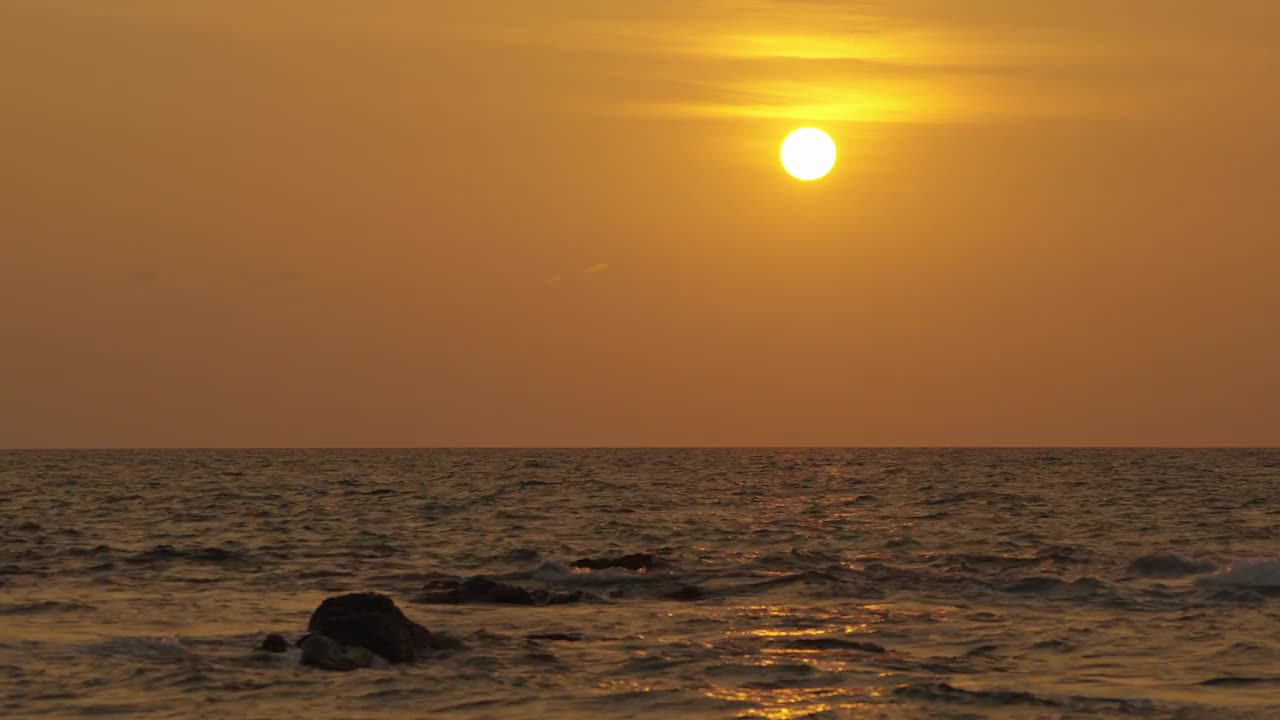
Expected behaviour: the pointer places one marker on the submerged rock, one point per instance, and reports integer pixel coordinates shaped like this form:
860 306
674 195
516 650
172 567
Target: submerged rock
484 590
635 561
371 621
324 652
474 590
274 643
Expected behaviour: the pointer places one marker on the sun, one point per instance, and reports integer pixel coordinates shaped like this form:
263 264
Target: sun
808 154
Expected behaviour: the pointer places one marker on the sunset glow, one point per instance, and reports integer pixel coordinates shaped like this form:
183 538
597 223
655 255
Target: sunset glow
357 215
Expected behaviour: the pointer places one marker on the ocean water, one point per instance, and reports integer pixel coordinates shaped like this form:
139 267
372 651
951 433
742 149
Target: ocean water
938 584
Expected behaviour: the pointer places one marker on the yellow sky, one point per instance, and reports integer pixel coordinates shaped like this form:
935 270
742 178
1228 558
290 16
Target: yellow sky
563 222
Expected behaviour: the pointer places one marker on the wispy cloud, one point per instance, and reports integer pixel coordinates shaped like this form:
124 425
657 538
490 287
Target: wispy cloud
863 61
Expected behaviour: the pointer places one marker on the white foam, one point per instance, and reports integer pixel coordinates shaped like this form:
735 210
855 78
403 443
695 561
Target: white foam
1249 573
560 573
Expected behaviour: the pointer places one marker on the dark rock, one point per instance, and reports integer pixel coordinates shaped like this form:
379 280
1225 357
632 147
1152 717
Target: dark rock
484 590
275 644
474 590
634 561
371 621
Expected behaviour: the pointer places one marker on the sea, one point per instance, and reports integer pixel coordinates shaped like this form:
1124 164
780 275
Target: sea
938 584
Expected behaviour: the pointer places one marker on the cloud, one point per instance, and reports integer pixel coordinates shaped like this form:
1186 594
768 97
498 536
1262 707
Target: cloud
863 61
597 268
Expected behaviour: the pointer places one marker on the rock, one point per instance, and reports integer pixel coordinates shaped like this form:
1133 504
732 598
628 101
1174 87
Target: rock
635 561
1170 565
274 644
358 656
474 590
484 590
371 621
325 653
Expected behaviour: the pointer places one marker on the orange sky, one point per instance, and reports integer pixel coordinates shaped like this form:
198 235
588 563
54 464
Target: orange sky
563 222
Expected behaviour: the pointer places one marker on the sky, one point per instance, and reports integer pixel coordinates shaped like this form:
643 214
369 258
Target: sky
278 223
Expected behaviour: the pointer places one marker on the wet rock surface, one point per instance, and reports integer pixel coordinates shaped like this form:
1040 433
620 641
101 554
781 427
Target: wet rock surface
371 621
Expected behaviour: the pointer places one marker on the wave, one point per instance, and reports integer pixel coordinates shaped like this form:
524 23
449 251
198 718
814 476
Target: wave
48 606
1261 575
1167 564
142 648
944 692
168 553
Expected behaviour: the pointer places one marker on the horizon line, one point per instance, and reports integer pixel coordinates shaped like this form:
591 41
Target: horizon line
1029 446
